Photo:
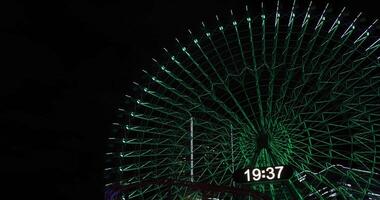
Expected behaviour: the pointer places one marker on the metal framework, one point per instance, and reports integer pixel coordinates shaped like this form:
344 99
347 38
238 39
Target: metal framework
288 87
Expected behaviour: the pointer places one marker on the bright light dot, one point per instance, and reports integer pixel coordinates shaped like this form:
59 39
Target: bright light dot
332 195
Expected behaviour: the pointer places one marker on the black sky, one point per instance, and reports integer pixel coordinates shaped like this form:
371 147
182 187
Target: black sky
64 70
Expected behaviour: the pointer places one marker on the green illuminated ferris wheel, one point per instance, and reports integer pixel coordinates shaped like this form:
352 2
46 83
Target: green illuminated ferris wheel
295 88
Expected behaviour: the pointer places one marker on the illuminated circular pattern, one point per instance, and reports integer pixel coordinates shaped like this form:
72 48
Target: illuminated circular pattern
298 88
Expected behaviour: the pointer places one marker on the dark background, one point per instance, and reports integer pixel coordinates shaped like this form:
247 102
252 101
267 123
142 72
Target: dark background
64 68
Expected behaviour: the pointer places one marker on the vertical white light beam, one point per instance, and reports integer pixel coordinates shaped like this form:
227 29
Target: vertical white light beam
232 149
191 150
232 154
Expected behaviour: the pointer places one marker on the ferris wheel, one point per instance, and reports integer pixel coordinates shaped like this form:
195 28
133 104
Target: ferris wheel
280 104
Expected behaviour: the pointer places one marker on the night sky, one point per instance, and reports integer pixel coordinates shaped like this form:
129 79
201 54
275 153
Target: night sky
64 70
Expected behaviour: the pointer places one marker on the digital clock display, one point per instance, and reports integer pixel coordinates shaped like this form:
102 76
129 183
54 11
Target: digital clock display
273 173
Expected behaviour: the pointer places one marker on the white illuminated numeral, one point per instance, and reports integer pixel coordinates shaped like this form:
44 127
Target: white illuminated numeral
280 168
271 173
256 173
248 175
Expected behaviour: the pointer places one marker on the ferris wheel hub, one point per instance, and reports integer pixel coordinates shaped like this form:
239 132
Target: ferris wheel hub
263 141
